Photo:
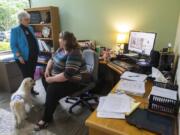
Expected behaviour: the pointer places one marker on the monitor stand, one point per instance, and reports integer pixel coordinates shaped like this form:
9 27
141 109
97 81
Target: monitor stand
139 59
143 60
143 63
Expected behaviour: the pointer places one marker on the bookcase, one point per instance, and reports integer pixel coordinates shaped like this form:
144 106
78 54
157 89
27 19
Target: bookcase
45 22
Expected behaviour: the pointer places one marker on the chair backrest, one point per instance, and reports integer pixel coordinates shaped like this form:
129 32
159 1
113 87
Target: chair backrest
92 62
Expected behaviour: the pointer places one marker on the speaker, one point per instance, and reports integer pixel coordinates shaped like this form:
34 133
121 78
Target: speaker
154 58
166 61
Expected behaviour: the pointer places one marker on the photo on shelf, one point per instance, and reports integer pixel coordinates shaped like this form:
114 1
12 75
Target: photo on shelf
46 31
45 17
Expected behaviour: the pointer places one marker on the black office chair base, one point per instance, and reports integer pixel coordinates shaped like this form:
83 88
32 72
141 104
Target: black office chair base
82 100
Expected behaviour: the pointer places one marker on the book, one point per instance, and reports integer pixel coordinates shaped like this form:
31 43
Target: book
131 87
133 76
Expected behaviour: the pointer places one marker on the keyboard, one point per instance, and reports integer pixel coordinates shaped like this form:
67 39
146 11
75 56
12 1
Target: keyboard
131 54
122 64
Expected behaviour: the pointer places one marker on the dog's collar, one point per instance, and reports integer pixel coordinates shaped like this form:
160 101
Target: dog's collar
16 97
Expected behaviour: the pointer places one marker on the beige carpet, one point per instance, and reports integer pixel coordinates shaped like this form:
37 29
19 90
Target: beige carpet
7 126
64 123
6 122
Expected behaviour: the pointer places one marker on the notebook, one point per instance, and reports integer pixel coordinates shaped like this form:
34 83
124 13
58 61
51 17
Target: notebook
133 76
131 87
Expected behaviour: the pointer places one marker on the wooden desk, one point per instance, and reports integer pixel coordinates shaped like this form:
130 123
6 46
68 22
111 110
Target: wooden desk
100 126
117 69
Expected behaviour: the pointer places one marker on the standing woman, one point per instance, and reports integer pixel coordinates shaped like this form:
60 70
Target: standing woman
25 46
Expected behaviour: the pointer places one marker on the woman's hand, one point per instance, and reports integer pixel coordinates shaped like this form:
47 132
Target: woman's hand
47 73
57 78
21 60
50 79
48 69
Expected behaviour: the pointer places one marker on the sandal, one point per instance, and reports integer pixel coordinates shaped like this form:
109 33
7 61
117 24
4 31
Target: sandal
41 126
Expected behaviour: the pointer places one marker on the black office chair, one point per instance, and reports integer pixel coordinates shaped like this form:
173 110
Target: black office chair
83 96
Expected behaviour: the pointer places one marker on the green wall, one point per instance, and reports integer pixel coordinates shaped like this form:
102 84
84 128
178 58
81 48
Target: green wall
98 19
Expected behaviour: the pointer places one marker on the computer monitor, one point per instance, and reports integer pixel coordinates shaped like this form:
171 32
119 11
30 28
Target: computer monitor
141 42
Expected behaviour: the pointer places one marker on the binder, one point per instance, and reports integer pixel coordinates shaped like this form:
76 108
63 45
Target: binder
163 104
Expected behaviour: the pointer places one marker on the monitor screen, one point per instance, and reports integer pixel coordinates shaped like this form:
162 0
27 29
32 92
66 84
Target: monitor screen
141 42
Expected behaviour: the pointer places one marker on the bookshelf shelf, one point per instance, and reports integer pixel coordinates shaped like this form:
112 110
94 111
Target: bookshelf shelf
43 63
44 52
39 9
45 38
47 24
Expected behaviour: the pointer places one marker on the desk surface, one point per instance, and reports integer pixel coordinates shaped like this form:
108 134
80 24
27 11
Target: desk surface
119 127
101 126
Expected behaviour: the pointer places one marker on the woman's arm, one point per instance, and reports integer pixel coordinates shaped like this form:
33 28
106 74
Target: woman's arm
48 68
49 65
57 78
14 44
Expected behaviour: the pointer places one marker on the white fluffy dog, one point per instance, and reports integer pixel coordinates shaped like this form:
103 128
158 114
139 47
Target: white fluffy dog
20 100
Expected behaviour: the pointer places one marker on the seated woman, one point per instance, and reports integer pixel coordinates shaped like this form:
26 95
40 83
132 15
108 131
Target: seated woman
62 73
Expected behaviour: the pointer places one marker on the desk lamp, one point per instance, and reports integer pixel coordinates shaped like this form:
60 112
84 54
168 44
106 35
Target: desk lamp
121 41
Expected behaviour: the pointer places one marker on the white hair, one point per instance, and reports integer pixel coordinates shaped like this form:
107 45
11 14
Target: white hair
23 14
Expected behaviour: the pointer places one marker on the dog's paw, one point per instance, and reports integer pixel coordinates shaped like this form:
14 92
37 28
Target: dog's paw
26 117
18 126
32 106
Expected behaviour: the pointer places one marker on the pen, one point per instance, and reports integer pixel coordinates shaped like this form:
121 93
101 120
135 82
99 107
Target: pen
119 92
133 76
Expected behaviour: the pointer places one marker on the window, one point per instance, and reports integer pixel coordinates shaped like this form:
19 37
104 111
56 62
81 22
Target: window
8 19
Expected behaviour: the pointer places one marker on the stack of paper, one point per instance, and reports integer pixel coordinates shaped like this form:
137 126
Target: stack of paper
162 92
114 106
132 83
133 76
131 87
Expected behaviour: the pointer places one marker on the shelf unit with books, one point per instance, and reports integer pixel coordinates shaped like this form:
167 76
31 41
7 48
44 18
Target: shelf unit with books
45 22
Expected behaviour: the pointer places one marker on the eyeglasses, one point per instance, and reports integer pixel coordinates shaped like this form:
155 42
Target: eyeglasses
26 19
